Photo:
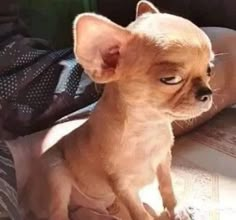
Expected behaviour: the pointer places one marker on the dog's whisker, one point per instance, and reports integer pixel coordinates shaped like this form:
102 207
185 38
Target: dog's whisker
216 92
179 124
194 120
221 54
219 95
189 122
214 106
216 89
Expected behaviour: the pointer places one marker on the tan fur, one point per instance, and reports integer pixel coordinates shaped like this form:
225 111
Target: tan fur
127 141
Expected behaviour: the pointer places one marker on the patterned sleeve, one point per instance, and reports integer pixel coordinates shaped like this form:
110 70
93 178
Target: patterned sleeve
38 85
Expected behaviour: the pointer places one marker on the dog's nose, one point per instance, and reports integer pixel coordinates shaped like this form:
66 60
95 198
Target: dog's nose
203 94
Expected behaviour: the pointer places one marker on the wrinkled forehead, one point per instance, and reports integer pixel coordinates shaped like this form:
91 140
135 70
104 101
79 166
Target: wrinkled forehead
173 33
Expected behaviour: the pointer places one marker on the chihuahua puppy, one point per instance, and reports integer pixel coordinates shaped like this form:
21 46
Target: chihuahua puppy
156 70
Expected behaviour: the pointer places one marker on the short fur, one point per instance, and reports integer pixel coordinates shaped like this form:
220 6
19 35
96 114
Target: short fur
127 141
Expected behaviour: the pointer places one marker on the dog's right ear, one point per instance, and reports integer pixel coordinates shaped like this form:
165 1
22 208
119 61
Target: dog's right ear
144 6
98 46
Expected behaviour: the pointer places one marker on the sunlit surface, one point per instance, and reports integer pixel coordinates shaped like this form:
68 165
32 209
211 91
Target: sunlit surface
203 178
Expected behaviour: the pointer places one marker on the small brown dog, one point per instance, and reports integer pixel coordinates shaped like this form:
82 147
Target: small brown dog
156 71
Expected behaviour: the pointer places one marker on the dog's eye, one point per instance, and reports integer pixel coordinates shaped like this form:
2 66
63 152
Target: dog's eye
209 71
172 80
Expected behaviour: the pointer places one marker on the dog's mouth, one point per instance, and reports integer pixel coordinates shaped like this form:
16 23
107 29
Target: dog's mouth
186 116
180 117
189 111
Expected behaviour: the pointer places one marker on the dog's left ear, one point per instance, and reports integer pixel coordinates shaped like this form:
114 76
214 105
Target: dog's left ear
98 46
144 6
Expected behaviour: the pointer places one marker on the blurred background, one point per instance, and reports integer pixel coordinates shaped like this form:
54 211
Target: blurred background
52 19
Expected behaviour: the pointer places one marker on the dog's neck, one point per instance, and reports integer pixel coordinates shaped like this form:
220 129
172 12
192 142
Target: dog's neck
114 102
115 113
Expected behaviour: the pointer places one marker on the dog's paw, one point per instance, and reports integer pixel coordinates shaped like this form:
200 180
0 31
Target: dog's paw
181 214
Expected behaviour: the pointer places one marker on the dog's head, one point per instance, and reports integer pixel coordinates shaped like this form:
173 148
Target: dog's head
160 61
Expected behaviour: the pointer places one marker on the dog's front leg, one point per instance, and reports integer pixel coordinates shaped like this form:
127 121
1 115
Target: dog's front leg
167 192
130 199
165 185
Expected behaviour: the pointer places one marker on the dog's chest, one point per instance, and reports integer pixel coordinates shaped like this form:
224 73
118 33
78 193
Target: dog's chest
142 151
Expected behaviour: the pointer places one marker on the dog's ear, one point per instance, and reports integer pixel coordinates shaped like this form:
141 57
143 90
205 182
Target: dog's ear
144 6
98 46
